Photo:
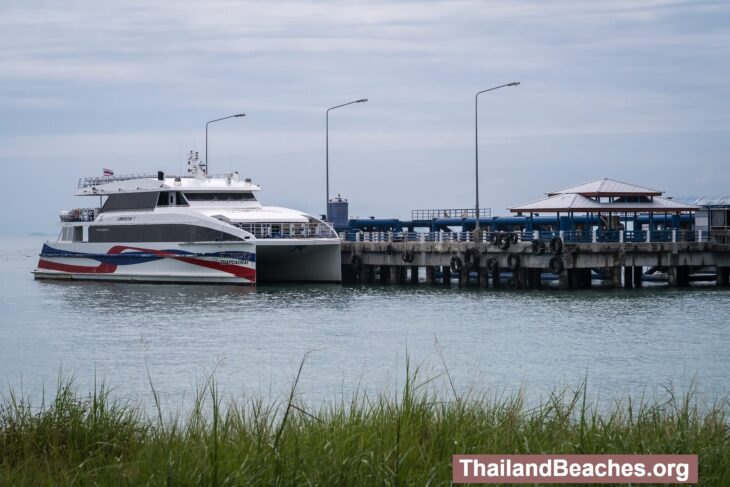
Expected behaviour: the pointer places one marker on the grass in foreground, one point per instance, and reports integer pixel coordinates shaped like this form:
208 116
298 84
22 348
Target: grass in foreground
404 440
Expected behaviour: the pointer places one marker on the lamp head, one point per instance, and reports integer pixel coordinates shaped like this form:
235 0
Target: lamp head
240 115
514 83
361 100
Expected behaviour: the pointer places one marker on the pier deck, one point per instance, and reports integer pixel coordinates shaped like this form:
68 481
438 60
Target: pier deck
527 262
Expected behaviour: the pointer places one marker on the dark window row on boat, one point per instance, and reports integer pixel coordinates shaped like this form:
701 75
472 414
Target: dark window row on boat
220 196
150 200
131 201
157 233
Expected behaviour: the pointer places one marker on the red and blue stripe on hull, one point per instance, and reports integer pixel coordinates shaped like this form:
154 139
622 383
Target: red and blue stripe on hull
122 255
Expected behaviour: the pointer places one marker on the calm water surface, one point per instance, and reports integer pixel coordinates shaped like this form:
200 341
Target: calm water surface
624 342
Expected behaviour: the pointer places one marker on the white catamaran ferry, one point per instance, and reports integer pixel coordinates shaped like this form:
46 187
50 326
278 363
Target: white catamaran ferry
195 228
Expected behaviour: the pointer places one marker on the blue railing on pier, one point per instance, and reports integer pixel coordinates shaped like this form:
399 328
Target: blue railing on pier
573 236
421 215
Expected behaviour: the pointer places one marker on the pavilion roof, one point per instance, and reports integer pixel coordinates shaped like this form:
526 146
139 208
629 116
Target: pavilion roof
607 187
578 203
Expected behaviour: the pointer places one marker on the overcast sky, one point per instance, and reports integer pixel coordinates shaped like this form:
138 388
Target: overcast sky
635 91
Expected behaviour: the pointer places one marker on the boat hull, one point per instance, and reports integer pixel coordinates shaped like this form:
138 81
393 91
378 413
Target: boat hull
305 260
209 262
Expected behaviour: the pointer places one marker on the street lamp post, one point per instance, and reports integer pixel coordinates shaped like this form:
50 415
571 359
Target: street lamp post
327 151
206 134
476 145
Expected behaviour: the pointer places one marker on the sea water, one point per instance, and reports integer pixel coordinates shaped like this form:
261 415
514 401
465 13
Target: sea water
355 338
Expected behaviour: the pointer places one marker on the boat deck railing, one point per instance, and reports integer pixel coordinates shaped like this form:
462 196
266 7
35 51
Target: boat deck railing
98 180
80 215
287 230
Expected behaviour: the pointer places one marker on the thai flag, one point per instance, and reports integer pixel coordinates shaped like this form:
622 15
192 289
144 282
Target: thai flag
108 172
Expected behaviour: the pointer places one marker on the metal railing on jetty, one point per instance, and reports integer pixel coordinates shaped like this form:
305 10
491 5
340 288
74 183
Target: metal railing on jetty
594 236
450 213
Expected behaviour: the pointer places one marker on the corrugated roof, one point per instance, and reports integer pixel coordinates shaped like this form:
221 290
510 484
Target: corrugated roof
607 187
579 203
704 200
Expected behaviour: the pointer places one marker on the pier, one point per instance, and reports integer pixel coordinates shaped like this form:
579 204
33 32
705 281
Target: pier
527 261
603 230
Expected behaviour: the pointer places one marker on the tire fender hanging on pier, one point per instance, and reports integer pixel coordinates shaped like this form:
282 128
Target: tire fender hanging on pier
408 256
556 245
356 261
556 265
471 257
456 264
513 261
538 247
504 241
491 264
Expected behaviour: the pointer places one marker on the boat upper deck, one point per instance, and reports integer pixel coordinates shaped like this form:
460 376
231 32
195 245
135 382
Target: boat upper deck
134 183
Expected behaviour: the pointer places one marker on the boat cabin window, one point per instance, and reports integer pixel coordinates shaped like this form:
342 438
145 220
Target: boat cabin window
169 232
130 201
171 198
220 196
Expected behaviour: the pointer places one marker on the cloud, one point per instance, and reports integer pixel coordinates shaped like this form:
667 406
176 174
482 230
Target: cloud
132 83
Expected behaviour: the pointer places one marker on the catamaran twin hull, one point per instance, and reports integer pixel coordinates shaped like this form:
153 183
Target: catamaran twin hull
149 262
195 228
234 263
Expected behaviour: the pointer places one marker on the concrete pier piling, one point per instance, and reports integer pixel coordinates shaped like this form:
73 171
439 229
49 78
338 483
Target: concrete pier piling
430 275
484 264
722 276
